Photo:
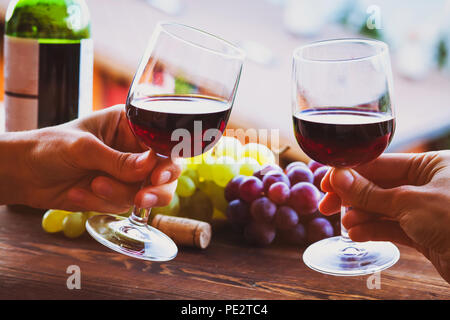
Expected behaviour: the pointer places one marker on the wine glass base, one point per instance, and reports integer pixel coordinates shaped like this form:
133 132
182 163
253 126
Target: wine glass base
339 258
137 241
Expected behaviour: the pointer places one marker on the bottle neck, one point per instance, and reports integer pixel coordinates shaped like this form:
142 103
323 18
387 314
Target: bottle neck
48 19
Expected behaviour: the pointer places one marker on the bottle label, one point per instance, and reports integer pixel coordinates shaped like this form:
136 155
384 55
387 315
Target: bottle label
85 97
21 83
46 83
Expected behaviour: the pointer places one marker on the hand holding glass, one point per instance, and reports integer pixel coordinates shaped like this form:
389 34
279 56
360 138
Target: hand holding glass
178 105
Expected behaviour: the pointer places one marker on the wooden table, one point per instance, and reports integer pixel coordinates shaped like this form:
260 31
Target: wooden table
33 265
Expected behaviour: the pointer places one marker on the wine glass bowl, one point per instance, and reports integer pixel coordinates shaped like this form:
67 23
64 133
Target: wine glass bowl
194 75
343 117
178 105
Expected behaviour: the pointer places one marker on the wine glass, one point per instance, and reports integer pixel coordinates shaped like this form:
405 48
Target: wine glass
343 117
178 105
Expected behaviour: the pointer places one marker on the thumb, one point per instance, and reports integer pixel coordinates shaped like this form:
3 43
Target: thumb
124 166
356 191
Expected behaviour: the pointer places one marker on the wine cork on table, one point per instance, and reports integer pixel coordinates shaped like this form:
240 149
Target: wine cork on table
184 231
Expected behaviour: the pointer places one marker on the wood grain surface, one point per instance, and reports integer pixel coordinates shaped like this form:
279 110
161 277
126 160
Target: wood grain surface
33 265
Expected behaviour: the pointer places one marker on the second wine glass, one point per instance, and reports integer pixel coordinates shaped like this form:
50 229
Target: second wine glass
343 117
178 105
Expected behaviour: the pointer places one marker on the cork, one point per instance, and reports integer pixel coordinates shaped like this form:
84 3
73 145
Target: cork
184 231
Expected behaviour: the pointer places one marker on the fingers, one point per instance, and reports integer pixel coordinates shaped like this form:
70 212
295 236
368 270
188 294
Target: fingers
90 153
380 231
325 185
110 125
120 197
330 204
354 217
368 226
79 199
155 196
166 171
102 123
389 170
358 192
124 166
119 193
124 138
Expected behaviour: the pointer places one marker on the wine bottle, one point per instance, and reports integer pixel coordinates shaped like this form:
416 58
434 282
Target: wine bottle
48 65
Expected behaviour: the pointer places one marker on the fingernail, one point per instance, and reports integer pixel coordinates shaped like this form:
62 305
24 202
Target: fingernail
141 160
164 177
149 200
343 179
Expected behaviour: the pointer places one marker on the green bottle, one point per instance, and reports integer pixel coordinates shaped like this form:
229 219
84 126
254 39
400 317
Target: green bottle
48 63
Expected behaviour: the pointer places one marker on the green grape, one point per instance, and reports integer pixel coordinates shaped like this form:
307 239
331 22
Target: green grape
250 150
207 154
259 152
193 174
202 158
74 224
200 207
194 162
224 170
265 155
52 221
190 163
249 166
217 195
208 187
205 169
229 147
171 209
185 187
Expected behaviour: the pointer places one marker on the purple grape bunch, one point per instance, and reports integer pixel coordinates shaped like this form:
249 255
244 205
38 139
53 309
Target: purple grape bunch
276 203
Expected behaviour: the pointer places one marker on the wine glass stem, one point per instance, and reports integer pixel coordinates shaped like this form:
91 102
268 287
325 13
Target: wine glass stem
139 216
344 231
350 248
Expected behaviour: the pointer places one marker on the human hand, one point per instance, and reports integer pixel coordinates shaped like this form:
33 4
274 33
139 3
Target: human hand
94 163
403 198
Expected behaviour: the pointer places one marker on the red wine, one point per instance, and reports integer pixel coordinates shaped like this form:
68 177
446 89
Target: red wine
343 137
166 123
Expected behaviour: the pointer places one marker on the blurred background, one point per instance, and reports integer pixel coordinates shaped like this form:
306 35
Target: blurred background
417 31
